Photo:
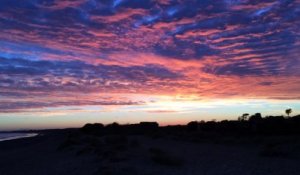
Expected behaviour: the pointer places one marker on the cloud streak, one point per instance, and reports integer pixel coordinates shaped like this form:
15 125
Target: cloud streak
208 49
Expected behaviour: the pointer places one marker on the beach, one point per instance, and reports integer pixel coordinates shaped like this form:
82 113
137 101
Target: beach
15 135
70 152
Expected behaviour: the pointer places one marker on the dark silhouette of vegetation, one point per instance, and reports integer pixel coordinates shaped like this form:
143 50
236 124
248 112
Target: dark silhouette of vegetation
288 111
193 126
245 125
244 117
114 128
255 118
95 129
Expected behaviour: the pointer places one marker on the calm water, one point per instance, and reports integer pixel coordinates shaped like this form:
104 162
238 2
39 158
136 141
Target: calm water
12 136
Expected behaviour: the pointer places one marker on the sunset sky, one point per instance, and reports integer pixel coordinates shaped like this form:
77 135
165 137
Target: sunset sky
64 63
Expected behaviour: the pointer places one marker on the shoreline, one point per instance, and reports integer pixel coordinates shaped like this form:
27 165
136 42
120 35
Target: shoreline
24 135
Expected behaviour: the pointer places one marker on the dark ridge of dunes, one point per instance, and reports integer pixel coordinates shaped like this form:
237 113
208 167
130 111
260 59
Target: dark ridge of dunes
266 146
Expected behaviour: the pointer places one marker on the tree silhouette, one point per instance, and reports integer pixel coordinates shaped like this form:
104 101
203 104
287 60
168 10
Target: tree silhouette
255 118
288 111
243 117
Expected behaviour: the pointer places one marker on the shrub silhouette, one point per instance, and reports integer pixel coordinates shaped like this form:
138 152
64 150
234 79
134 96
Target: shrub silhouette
113 128
288 111
256 117
149 125
192 126
244 117
94 129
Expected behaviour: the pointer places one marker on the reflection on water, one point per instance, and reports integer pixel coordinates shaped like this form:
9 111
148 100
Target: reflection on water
12 136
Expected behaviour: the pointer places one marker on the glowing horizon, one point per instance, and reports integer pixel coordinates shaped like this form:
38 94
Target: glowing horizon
64 63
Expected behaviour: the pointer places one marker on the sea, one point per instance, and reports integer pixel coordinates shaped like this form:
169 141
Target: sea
11 136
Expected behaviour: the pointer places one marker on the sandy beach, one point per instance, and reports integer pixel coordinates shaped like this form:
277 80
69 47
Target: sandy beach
71 152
